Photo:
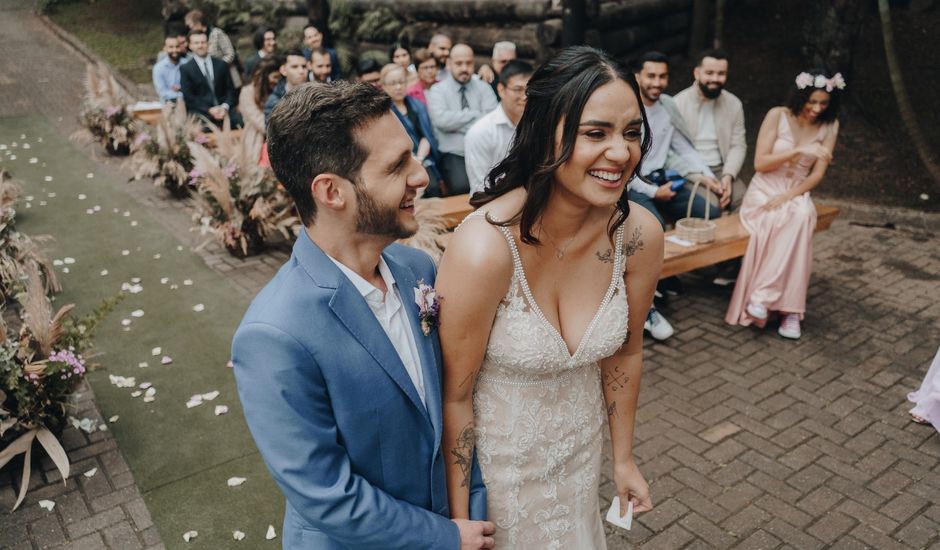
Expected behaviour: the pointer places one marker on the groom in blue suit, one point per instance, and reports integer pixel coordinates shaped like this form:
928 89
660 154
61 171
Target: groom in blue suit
339 382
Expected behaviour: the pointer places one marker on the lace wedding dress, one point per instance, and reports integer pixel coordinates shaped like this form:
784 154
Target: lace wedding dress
539 414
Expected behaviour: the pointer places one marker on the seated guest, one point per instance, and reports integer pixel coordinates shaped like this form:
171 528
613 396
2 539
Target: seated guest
794 149
715 118
166 72
370 72
320 65
439 46
178 31
313 39
220 45
265 42
207 85
400 55
455 104
293 73
414 117
503 52
252 98
489 138
426 66
671 150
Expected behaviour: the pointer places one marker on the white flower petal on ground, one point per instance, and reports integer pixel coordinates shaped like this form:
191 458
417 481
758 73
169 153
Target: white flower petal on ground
221 409
122 381
57 263
48 178
90 211
190 535
69 260
43 203
238 535
3 146
96 208
156 256
126 322
137 313
26 146
151 391
82 196
271 534
236 481
51 195
33 160
179 248
47 505
125 252
145 385
137 393
135 280
89 175
188 282
114 419
199 307
126 214
142 365
29 197
104 272
102 428
135 289
149 399
210 396
166 360
29 205
65 270
91 473
174 287
193 402
156 351
164 280
133 223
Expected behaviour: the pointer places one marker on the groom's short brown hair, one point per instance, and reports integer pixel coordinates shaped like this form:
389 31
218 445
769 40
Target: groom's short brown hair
311 131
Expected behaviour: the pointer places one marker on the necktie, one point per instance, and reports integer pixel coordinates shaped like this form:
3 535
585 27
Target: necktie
464 104
207 70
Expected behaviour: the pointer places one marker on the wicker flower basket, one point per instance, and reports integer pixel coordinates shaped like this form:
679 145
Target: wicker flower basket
696 230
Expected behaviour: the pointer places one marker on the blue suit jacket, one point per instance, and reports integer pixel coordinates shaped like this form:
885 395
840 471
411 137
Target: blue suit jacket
336 417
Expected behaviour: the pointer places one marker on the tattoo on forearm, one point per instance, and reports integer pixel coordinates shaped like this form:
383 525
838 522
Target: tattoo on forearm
606 257
615 379
634 244
463 453
612 409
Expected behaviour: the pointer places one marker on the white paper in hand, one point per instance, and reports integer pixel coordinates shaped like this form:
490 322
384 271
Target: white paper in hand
613 515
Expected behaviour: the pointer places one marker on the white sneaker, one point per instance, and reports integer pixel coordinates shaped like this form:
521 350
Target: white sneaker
790 326
757 311
657 325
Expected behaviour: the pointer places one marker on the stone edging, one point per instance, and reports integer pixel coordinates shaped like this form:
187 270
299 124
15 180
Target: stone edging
907 219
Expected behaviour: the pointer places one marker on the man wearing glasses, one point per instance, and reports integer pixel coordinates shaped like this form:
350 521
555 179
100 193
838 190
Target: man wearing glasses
488 140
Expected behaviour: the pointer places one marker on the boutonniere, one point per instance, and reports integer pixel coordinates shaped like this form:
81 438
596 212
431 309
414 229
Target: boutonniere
429 306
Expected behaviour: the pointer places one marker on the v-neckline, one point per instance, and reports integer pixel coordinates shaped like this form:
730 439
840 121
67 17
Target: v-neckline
555 331
786 116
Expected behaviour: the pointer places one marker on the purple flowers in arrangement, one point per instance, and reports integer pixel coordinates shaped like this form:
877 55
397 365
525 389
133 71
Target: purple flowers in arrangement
429 306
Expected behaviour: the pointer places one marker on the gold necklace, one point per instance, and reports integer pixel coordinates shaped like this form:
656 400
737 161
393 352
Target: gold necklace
560 251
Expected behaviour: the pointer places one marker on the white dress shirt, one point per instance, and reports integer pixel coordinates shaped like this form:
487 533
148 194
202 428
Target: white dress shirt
487 142
392 315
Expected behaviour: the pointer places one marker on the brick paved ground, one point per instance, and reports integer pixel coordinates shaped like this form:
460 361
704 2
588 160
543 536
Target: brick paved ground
748 440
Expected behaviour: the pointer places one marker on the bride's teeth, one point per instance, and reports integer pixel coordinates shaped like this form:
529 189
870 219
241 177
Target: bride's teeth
607 176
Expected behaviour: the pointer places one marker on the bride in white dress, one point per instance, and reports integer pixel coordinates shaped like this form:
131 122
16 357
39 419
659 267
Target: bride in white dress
545 289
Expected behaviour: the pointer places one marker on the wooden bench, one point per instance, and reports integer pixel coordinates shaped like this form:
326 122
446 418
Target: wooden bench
149 116
730 237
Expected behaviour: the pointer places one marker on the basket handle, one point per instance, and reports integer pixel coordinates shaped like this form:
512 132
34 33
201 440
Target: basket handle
708 203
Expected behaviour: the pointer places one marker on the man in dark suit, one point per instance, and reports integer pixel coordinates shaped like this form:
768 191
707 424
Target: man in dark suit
207 84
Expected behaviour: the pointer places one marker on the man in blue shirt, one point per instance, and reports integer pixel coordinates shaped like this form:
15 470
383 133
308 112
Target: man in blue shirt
166 71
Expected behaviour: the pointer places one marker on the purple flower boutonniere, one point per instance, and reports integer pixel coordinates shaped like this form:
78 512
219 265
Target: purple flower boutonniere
429 306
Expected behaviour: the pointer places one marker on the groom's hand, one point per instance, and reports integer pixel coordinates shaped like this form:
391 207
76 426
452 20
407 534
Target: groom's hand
475 534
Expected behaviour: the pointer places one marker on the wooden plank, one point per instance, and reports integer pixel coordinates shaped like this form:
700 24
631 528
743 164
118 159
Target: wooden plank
150 116
730 237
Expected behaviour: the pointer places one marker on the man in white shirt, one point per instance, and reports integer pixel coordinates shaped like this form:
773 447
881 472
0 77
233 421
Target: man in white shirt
488 140
338 378
715 118
454 105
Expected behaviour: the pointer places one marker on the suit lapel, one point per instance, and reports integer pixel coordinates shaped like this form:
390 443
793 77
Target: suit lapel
407 282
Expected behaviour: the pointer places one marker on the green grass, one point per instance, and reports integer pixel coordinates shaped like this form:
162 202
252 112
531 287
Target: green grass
125 33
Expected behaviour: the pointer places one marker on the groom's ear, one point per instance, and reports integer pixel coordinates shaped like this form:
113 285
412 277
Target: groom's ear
325 189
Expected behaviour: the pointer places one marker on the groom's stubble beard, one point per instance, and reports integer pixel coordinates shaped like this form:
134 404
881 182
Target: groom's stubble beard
372 219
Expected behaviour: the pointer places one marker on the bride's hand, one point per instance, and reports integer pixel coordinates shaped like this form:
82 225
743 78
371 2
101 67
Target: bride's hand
631 486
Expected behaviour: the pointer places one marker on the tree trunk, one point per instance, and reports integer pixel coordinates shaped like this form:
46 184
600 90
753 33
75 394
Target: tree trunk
574 19
462 11
900 93
699 26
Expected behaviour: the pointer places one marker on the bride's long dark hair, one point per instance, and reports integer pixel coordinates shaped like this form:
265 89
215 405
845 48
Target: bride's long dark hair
558 89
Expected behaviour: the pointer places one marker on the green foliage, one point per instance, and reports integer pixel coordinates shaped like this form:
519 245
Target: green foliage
79 333
380 24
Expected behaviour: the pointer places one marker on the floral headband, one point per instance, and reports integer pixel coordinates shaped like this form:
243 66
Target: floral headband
804 80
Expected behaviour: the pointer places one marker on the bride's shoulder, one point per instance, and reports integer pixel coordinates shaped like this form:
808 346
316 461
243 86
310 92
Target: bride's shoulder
642 236
479 245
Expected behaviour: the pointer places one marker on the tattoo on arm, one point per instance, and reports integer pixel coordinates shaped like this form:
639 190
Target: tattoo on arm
463 453
612 409
635 243
615 379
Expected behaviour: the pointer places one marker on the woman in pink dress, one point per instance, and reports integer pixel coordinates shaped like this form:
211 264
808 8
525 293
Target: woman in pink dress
927 399
794 148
